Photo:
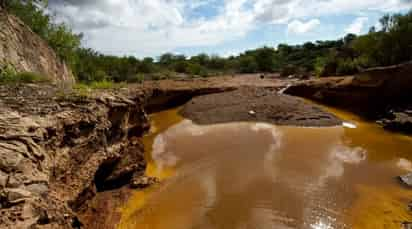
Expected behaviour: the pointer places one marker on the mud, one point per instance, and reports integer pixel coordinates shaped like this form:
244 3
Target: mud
256 105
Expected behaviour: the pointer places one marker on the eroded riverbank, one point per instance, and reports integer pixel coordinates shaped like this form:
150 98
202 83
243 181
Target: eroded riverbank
254 175
87 151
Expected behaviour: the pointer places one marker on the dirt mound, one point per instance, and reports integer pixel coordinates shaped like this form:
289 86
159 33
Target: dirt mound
256 105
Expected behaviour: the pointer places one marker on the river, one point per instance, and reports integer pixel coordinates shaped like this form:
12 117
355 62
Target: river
261 176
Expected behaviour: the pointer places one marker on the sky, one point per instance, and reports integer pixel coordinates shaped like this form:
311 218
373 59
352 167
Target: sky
222 27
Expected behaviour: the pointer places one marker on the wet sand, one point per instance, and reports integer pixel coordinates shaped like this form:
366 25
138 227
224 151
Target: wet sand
256 105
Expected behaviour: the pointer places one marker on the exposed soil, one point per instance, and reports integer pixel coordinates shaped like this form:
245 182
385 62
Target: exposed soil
256 105
381 94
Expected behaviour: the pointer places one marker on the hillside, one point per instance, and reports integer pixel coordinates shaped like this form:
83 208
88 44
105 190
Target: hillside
27 52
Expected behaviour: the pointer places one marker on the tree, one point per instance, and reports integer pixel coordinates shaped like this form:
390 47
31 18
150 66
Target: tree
265 58
5 4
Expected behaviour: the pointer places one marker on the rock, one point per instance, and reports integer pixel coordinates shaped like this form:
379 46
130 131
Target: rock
406 179
3 179
43 218
14 182
131 162
399 121
10 160
407 225
16 195
143 182
38 189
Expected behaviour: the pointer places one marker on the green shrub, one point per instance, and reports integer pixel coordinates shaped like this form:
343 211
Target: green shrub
138 78
30 77
82 90
9 75
102 84
248 64
288 70
320 66
346 67
195 69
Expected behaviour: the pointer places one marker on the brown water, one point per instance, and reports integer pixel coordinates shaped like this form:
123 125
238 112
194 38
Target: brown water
254 175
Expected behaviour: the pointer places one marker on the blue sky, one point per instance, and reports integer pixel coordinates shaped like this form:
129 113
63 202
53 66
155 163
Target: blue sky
223 27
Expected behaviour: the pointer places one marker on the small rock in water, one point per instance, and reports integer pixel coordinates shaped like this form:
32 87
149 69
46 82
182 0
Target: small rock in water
406 179
143 182
404 164
410 206
252 112
407 225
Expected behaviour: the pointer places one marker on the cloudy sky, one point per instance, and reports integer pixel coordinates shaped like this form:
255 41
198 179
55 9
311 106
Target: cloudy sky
224 27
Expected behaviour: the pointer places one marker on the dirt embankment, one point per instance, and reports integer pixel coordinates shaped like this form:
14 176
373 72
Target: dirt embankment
381 94
57 152
256 105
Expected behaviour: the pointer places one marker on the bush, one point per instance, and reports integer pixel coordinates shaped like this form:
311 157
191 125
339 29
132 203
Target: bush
102 84
346 67
9 75
288 70
320 66
248 64
195 69
138 78
30 77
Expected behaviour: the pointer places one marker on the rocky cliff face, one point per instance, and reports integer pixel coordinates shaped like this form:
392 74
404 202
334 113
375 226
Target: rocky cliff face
27 52
56 152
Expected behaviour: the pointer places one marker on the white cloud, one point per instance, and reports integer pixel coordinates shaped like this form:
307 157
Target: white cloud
151 27
300 27
279 11
357 25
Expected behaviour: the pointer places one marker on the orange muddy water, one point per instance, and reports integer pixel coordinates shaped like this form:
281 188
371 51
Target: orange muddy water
259 176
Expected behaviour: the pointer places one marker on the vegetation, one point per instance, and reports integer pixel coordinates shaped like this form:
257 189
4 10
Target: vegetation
59 36
392 44
9 75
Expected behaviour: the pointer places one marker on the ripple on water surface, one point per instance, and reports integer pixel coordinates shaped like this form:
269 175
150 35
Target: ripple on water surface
255 175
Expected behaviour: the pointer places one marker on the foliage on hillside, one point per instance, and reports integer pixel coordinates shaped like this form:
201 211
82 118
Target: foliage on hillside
9 75
59 36
391 44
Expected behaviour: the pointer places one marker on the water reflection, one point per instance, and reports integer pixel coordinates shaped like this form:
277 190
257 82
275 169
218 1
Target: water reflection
255 175
250 175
